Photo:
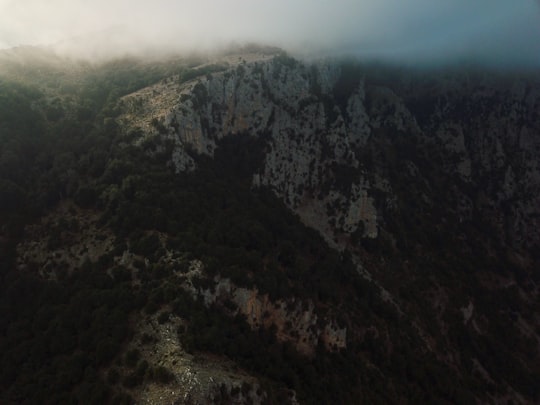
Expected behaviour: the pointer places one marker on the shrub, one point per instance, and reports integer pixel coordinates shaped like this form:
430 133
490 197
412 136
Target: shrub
163 317
131 358
162 375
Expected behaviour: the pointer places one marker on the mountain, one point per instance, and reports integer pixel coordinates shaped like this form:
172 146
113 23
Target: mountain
252 228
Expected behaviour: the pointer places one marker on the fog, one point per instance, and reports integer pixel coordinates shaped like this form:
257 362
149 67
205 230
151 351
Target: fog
498 32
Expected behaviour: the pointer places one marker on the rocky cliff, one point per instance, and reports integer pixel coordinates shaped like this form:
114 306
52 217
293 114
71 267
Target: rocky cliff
430 179
338 135
255 228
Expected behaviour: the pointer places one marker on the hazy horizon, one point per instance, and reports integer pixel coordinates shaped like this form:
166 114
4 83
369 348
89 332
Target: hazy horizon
492 32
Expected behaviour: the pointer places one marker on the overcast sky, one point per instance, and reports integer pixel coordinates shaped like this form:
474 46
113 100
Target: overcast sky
495 31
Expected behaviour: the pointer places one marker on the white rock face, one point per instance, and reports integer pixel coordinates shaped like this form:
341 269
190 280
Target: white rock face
274 99
361 210
328 158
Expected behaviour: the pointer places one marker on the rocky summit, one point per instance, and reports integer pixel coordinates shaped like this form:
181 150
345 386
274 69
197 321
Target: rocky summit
254 228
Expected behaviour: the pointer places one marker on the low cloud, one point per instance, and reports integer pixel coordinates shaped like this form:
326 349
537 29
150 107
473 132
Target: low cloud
423 31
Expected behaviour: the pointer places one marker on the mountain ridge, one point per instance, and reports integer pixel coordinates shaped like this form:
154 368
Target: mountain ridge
311 147
190 192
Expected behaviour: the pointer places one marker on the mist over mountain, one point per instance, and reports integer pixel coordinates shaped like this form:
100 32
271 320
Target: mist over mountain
485 32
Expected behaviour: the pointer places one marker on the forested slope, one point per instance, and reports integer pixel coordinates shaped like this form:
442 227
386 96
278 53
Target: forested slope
263 231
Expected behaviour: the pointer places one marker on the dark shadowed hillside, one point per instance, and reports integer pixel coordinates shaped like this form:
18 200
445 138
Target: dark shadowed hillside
255 229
